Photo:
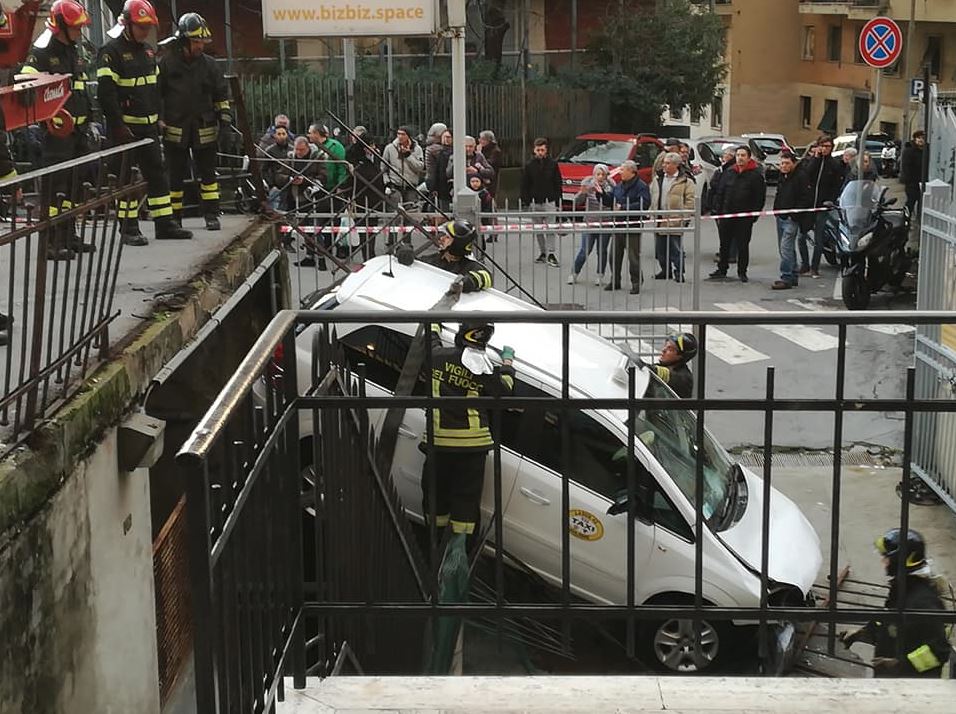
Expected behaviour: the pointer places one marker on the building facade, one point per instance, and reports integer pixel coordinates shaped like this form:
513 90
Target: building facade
794 66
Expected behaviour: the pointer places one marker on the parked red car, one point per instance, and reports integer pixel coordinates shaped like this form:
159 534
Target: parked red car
577 160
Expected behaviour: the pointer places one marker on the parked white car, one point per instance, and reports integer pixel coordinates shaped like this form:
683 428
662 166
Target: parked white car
531 463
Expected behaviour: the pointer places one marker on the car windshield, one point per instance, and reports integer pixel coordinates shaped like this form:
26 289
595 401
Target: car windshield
597 151
858 203
671 437
768 146
716 149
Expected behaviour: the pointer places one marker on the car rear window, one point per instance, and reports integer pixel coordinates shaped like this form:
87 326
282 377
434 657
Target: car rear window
597 151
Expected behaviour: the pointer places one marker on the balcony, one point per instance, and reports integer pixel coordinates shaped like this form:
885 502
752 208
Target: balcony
853 9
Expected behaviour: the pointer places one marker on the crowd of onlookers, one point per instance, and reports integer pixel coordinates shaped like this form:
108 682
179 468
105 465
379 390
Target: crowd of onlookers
318 170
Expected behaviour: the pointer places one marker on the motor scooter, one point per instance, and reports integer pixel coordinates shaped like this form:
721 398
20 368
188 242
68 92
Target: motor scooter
871 241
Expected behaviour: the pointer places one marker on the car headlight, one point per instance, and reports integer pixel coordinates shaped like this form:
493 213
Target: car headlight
864 241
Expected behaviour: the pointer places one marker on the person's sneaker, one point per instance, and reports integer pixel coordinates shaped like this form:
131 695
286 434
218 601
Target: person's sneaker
780 285
541 258
718 274
212 223
572 278
634 290
552 261
815 274
743 277
804 271
662 275
166 229
599 279
134 239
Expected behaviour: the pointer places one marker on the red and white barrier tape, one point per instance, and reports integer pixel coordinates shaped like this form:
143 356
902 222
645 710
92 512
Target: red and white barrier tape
558 226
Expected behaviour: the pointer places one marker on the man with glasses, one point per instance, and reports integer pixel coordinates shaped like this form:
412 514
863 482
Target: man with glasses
826 175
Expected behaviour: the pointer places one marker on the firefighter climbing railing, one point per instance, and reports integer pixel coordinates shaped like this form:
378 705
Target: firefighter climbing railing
60 255
299 551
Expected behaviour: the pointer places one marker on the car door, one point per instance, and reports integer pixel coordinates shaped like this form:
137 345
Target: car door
534 519
382 351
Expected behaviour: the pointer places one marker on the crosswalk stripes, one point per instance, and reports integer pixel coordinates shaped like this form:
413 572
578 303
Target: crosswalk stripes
807 337
721 345
815 306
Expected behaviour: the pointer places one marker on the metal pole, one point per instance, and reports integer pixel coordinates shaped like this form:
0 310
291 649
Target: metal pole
574 32
927 98
348 59
910 27
227 21
390 84
874 113
456 22
282 55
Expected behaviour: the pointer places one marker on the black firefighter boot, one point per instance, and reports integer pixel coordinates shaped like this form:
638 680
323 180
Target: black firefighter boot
212 222
55 248
130 233
74 241
166 229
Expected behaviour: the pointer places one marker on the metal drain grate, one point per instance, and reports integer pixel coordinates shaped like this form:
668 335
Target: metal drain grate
851 457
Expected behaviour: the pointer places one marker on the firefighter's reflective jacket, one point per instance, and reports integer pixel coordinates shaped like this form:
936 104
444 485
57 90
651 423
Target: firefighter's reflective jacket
925 645
678 377
476 276
57 57
195 98
127 75
454 427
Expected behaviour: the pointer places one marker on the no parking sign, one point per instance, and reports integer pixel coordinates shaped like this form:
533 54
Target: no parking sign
881 42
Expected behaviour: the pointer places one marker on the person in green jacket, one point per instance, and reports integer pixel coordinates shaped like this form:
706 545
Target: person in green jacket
331 150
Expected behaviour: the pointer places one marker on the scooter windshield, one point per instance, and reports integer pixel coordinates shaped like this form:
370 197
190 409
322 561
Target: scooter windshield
858 204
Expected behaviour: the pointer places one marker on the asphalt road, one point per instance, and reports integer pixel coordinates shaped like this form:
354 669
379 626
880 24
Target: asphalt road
804 357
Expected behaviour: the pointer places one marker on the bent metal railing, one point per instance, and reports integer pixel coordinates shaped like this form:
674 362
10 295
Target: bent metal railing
254 539
57 312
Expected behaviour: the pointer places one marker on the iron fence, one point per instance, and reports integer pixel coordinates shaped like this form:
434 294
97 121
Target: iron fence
517 115
935 448
606 260
61 253
250 518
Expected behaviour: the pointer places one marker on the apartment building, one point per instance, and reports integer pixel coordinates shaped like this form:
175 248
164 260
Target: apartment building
795 67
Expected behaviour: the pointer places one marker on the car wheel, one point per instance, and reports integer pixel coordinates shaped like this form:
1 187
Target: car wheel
675 648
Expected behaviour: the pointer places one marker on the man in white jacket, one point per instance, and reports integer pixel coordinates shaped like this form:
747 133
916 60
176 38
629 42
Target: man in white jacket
403 159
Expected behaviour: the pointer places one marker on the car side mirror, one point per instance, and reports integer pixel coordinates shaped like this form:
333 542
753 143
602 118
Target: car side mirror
620 501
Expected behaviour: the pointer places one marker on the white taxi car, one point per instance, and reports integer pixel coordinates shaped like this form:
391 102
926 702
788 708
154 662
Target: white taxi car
531 454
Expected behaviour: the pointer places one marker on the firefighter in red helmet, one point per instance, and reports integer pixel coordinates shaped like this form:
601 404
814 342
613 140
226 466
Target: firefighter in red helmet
59 50
129 97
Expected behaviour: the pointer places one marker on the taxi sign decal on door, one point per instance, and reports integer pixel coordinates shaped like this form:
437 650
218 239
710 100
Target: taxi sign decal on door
584 525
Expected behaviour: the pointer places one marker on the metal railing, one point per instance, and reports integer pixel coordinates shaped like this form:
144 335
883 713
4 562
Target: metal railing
517 115
249 521
935 448
57 312
594 250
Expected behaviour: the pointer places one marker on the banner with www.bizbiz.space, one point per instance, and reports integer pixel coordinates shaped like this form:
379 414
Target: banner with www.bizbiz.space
352 18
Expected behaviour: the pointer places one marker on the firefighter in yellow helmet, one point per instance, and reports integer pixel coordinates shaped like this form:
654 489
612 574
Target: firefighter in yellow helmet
195 104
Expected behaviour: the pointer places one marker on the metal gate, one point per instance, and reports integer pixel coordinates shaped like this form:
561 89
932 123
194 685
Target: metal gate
934 450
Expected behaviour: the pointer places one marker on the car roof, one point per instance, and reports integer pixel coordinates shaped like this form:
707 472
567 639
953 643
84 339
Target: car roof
384 284
615 137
